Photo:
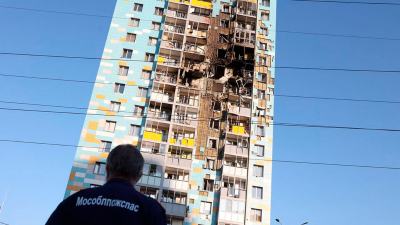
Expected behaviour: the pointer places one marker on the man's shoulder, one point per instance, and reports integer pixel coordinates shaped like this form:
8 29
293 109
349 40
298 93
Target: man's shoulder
155 204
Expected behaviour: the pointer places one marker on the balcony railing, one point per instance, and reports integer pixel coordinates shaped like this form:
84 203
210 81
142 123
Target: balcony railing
236 129
171 44
245 26
162 97
197 33
175 13
183 160
188 100
246 11
233 192
159 115
235 171
184 119
193 48
169 61
236 150
166 78
183 139
158 135
174 28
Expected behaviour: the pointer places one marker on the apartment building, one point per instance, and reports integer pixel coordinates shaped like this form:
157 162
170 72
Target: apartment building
191 83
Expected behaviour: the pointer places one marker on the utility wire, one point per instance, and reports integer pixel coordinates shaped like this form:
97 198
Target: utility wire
278 31
4 223
273 160
336 99
349 2
136 60
251 122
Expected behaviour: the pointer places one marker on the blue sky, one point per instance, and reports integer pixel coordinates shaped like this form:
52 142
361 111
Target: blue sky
37 175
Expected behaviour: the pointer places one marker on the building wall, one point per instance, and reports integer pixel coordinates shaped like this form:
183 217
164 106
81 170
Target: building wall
181 163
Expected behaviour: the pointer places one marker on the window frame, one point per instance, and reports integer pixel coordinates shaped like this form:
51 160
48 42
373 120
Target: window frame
158 11
133 128
259 172
151 40
104 148
208 185
253 214
149 55
118 87
261 128
112 106
153 25
135 111
264 77
110 122
127 53
132 22
257 152
129 37
203 204
136 10
99 166
265 14
255 191
140 92
122 69
145 74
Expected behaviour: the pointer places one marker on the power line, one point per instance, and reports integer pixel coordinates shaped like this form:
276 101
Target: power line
4 223
134 60
273 160
202 120
338 99
349 2
278 31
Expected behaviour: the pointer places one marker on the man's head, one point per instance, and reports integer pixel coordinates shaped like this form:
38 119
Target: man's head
125 161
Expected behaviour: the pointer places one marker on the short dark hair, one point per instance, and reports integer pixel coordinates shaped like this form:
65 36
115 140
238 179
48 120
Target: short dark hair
125 160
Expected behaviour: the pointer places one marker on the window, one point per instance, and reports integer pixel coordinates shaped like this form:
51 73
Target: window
255 215
212 143
262 77
260 112
205 207
149 192
100 168
119 88
127 54
158 11
152 41
123 70
223 38
130 37
137 7
232 206
138 110
258 171
145 74
263 61
135 130
173 197
261 94
257 192
225 9
259 150
224 23
208 185
105 146
142 92
264 31
210 164
260 131
214 124
110 126
155 170
134 22
155 26
115 106
94 186
149 57
262 46
265 16
265 3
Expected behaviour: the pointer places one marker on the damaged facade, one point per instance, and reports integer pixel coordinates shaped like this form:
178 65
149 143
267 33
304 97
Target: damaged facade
194 90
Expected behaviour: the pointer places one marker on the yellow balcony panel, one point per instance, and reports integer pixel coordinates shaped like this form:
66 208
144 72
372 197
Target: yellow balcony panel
153 136
159 137
191 142
184 142
235 129
146 135
241 130
173 141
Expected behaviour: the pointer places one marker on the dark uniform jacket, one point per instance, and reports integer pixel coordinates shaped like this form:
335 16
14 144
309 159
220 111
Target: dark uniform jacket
117 202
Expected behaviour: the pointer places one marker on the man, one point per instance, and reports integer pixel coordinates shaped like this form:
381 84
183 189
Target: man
117 202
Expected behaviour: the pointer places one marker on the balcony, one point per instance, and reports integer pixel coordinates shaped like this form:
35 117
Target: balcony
188 97
175 45
151 175
152 158
160 112
203 4
184 139
237 147
246 11
149 147
180 1
239 109
168 61
164 77
177 157
245 38
176 14
245 26
233 193
233 166
156 131
174 28
157 95
193 48
186 119
246 92
176 179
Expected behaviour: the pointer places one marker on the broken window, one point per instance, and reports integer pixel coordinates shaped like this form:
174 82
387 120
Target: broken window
262 77
208 185
265 16
214 124
261 94
216 105
225 9
262 46
260 112
212 143
264 31
223 38
210 164
263 61
221 53
224 23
